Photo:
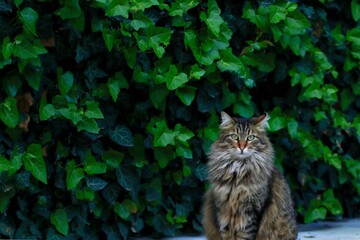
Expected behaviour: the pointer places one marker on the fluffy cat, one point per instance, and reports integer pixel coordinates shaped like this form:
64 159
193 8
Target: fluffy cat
248 198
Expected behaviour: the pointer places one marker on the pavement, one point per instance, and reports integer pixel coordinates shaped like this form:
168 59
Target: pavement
345 229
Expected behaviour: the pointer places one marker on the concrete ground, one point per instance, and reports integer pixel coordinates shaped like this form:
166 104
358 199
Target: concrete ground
346 229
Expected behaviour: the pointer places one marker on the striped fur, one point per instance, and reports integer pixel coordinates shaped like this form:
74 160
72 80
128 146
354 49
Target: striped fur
249 198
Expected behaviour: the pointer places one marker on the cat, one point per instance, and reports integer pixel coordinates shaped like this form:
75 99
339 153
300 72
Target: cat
248 198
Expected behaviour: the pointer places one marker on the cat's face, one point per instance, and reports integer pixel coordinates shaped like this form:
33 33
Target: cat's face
243 137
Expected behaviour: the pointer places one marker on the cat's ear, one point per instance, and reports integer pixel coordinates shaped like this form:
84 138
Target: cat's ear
225 119
262 121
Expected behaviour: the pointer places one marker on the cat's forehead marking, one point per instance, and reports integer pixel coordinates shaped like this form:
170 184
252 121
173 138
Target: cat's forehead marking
242 125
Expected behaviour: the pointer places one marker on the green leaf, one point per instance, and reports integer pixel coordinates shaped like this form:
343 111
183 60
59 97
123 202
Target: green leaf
355 10
12 84
277 121
118 8
162 135
85 194
212 19
95 183
186 94
91 166
141 5
331 202
122 136
177 81
16 161
9 113
88 124
5 165
60 221
93 110
7 48
73 175
164 155
179 8
140 21
115 84
315 214
18 2
34 162
197 72
65 80
158 95
5 198
113 158
46 111
71 113
125 208
297 23
127 178
154 38
277 12
70 10
264 62
201 172
29 17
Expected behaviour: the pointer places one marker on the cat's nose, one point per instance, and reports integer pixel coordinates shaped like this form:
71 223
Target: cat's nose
242 145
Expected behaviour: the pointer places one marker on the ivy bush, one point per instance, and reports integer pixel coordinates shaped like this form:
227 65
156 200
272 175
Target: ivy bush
108 108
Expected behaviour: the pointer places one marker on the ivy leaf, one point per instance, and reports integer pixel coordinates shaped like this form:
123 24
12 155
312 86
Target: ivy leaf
113 158
111 193
164 155
118 8
125 208
7 48
91 166
88 124
127 178
163 136
29 17
315 214
122 136
65 80
85 194
158 95
5 165
212 19
277 12
92 71
34 162
355 10
73 175
140 21
186 94
70 10
153 38
93 110
5 198
60 221
177 81
96 183
141 5
197 72
9 113
115 84
297 23
201 171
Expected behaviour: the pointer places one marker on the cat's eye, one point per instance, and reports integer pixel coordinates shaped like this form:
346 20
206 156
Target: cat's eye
234 136
250 137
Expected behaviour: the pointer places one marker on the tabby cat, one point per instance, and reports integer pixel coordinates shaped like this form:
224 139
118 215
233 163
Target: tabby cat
248 196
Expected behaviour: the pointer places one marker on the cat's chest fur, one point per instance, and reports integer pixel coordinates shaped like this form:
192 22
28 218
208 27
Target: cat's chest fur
239 200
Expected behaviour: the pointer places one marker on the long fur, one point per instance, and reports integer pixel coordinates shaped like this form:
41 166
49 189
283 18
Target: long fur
249 198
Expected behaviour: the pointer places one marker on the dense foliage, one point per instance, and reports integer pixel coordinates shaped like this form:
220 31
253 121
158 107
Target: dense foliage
108 108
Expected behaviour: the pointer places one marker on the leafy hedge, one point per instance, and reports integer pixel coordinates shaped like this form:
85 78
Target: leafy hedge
108 108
